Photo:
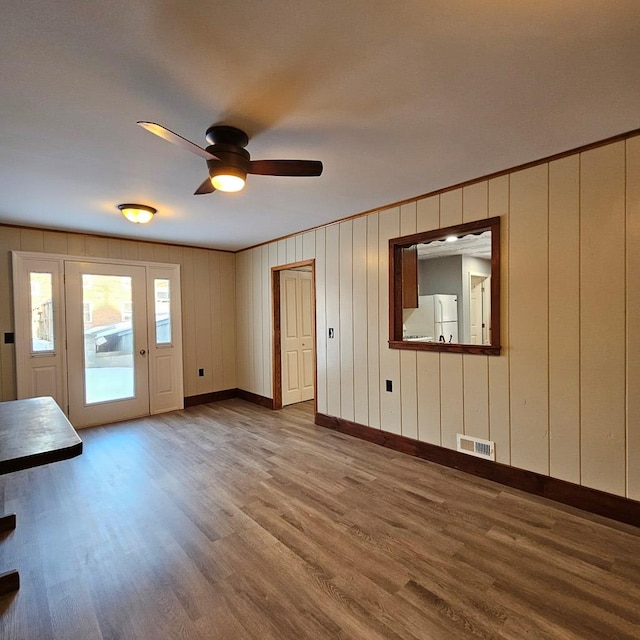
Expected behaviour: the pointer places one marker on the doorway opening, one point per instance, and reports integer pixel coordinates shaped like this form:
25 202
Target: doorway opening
294 333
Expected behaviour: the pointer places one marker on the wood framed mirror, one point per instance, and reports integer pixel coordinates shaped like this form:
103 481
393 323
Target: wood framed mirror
444 289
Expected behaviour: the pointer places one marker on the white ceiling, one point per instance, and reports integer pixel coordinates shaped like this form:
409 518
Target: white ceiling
396 98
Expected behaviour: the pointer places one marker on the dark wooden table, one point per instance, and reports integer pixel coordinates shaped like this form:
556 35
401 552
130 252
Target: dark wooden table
33 432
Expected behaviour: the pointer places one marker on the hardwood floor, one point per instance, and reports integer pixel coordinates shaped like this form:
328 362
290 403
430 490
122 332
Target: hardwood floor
232 521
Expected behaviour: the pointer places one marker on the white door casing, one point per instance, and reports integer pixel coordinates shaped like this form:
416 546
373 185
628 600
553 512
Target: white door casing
44 372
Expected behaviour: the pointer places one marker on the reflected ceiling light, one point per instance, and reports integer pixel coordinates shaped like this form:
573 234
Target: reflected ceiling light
229 179
451 238
138 213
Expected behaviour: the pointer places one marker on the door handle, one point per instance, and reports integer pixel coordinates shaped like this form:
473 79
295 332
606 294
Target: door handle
142 352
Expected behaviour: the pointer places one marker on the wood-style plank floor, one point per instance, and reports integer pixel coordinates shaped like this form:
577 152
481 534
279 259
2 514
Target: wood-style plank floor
231 521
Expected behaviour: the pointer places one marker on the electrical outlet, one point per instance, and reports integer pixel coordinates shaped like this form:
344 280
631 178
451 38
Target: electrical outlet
389 385
201 373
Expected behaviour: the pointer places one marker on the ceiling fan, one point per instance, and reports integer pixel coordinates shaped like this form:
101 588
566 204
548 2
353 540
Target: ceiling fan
229 162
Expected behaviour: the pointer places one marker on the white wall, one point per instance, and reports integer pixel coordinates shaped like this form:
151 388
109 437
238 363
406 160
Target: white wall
563 399
208 300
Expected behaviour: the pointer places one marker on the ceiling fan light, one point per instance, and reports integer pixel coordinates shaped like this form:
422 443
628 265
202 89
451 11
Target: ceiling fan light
138 213
227 182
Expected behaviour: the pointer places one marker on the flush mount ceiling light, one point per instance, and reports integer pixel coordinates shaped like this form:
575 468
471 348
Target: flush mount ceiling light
138 213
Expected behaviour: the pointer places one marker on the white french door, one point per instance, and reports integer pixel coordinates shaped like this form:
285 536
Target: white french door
107 342
104 338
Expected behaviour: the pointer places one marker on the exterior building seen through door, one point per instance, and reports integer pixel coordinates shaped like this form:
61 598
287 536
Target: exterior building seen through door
297 336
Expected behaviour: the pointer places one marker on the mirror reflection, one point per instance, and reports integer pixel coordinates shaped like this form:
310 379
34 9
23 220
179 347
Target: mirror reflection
453 302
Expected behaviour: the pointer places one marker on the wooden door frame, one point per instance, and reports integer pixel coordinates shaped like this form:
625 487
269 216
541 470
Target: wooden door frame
277 328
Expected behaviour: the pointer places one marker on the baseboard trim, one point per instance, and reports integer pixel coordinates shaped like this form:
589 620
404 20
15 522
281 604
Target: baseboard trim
255 398
214 396
592 500
227 394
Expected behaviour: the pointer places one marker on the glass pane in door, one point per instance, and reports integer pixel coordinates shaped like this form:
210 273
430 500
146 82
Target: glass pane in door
108 337
162 294
42 334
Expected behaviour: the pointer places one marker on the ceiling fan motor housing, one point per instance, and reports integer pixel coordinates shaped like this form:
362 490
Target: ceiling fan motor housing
231 156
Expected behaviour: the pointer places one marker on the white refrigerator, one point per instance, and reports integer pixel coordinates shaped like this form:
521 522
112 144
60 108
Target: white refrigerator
443 308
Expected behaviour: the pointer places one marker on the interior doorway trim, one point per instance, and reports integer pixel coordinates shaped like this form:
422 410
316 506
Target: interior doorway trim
277 328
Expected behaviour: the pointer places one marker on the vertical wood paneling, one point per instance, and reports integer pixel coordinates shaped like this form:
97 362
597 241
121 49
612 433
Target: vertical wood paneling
408 359
564 319
215 335
476 395
528 312
189 350
321 322
360 322
55 242
499 393
346 319
299 251
202 319
291 249
373 320
75 244
282 252
145 251
475 201
114 248
243 320
9 241
475 204
161 252
257 311
228 319
129 250
390 407
451 208
272 251
267 325
428 214
309 245
31 240
332 288
633 318
602 318
98 247
451 398
451 373
428 363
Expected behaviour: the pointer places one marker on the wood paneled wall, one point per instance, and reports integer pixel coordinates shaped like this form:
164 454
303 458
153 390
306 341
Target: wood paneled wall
208 300
563 399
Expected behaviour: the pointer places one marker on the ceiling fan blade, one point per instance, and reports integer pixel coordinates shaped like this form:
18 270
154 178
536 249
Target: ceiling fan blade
204 188
170 136
308 168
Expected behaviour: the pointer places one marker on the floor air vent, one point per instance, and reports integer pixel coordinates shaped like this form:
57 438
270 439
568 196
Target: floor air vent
476 447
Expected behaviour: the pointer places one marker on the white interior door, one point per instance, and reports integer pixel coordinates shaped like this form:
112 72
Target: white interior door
480 309
296 336
107 343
